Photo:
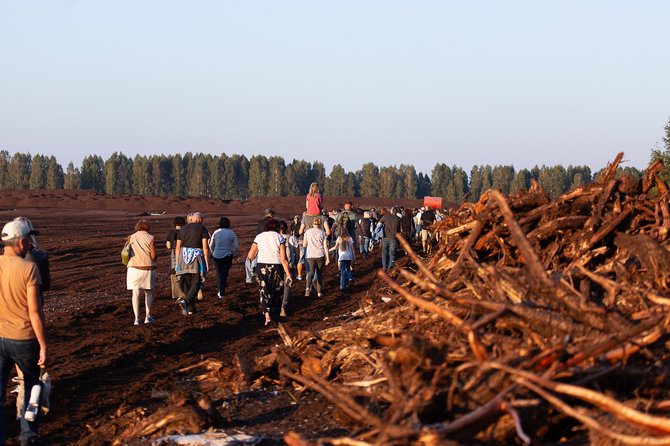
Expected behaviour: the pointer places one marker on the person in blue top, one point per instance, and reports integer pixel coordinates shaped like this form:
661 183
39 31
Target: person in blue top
223 245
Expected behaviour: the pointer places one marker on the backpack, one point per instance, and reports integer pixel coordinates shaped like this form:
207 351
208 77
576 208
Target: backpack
345 221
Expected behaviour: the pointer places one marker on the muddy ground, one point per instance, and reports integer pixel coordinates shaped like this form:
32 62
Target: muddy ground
102 365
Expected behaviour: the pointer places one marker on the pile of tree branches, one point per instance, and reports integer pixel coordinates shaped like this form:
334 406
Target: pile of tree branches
535 321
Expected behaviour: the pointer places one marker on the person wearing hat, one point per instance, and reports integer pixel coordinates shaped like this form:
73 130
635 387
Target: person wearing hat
269 214
22 327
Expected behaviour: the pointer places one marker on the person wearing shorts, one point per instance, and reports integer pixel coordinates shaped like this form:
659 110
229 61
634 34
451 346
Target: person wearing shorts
427 220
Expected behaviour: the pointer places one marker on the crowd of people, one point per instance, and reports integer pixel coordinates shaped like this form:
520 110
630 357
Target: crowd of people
280 255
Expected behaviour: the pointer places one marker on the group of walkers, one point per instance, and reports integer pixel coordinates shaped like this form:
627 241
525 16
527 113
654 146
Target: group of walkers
279 253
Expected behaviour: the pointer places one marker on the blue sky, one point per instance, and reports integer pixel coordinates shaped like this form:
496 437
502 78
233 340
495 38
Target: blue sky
465 83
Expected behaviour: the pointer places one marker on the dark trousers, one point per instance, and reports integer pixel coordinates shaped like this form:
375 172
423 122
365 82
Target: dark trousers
389 246
25 354
190 284
315 272
222 267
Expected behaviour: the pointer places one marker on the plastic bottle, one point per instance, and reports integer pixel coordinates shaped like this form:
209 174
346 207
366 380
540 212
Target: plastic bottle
33 404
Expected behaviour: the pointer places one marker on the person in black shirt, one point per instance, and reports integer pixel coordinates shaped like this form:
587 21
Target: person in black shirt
389 243
192 260
365 228
407 225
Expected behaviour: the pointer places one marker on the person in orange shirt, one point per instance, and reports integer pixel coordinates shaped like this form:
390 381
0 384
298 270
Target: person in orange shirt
22 327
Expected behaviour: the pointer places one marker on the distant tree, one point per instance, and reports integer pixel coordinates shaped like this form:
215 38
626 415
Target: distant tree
19 171
410 181
38 170
578 175
476 183
91 173
663 153
72 179
141 175
460 181
291 181
237 177
350 185
387 182
521 182
178 176
440 177
217 176
197 184
117 173
4 170
318 173
423 185
502 177
276 170
303 175
487 178
335 183
554 180
161 175
258 176
54 178
369 182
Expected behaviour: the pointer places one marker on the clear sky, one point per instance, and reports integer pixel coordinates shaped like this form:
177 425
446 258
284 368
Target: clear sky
417 82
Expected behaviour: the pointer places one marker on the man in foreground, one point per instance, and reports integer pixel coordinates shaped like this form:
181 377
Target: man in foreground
22 333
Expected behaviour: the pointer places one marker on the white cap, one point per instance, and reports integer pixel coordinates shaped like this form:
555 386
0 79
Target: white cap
16 229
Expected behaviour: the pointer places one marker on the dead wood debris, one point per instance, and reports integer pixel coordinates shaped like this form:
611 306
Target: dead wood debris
535 321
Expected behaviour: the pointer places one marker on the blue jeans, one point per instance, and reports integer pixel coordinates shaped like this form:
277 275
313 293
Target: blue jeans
389 246
363 248
250 268
345 273
24 353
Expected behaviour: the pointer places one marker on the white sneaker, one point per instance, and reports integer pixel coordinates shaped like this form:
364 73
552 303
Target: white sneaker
149 320
298 277
138 322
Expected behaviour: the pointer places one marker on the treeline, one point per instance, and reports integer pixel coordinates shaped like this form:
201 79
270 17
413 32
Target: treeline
236 177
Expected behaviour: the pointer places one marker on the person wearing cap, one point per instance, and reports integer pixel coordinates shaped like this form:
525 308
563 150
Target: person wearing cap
22 327
269 214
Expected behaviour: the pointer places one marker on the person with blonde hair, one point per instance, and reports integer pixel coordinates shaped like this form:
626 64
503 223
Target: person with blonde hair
141 274
346 257
314 199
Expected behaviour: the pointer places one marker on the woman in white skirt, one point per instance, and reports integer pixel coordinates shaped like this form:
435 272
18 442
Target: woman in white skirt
142 269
